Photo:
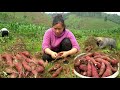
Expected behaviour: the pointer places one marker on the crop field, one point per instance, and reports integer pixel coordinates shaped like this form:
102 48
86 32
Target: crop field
25 42
29 37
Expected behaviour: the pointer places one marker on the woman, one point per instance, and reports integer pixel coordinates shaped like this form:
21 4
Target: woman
58 39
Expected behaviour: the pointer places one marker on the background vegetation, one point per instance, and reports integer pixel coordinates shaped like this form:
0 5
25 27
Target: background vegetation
30 27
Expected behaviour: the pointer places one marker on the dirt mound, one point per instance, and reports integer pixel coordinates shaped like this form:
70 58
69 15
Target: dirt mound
18 46
90 44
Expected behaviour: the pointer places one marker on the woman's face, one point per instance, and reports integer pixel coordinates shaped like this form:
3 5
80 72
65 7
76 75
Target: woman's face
58 29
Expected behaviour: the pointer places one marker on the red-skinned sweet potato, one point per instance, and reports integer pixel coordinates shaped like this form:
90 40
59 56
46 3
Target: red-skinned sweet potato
26 66
13 75
94 71
107 72
57 72
8 58
89 69
83 67
77 62
41 62
10 70
40 69
26 53
102 69
55 67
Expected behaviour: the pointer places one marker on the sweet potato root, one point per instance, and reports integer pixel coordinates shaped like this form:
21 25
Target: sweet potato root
19 57
9 59
94 71
55 67
77 62
83 67
26 53
57 72
41 62
40 69
26 66
13 75
10 70
89 69
102 69
108 72
18 66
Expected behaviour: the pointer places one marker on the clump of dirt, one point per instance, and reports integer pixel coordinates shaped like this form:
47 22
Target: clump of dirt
18 46
90 44
38 55
115 54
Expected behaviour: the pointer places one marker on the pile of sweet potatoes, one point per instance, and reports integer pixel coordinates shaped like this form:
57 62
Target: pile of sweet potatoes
96 65
22 65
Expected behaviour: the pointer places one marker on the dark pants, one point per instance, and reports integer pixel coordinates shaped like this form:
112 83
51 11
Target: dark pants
65 45
4 33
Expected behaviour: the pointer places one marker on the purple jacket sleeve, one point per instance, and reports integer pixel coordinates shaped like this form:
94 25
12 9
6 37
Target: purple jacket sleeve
74 41
46 40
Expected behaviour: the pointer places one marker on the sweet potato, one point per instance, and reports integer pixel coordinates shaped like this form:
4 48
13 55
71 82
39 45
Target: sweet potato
89 69
26 66
41 62
97 56
77 62
83 67
102 60
23 56
89 54
84 73
10 70
77 69
19 57
35 73
93 61
26 53
114 61
29 60
114 69
40 69
18 66
13 75
96 53
102 69
32 65
55 67
106 58
8 58
94 71
59 54
89 48
107 72
57 72
107 64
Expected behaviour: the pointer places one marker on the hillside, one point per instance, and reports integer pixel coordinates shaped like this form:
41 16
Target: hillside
76 22
26 17
73 21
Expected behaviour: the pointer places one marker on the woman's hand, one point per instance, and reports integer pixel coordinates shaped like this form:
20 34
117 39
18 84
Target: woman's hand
53 55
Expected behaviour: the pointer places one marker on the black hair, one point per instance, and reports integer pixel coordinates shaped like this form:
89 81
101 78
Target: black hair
58 18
